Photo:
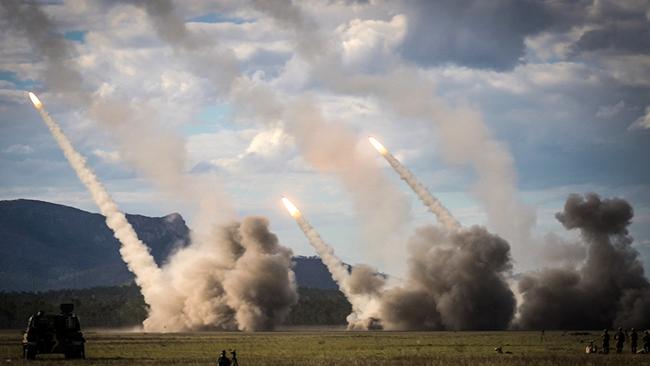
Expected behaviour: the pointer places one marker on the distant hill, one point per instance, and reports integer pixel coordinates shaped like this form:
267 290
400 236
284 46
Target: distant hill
46 246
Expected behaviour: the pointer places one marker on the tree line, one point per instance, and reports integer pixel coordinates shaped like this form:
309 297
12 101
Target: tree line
123 306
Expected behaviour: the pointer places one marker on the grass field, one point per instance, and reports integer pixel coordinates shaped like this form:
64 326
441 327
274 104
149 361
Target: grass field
328 347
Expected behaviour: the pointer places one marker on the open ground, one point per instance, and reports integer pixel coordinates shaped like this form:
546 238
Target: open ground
332 347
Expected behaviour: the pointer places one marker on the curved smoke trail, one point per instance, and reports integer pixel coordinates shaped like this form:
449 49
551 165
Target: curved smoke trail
133 251
435 206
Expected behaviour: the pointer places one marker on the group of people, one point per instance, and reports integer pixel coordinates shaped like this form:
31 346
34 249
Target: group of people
223 360
620 338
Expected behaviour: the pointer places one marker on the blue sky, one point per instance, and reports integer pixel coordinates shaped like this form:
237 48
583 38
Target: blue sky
562 89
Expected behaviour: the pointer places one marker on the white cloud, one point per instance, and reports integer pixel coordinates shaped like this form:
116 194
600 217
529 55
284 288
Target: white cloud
369 42
642 122
112 157
19 149
269 142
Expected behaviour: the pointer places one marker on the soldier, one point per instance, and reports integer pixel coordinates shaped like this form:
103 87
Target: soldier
223 360
605 337
233 360
634 337
646 341
620 340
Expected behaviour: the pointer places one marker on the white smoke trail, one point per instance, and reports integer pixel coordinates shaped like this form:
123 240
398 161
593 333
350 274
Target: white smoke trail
435 206
360 302
133 251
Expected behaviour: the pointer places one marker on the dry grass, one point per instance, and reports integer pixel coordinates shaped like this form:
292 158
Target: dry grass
329 347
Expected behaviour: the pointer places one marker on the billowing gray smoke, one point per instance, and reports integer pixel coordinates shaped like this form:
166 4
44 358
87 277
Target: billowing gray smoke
609 290
242 279
456 281
261 286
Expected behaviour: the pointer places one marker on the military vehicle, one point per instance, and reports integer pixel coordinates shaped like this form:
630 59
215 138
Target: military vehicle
54 333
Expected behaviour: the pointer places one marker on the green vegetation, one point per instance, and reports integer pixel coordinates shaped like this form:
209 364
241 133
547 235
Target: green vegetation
113 307
333 348
123 306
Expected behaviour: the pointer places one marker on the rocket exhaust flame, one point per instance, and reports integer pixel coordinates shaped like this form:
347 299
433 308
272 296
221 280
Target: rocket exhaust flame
133 251
293 210
433 204
37 102
377 145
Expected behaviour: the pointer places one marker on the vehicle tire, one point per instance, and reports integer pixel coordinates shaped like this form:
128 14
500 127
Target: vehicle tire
76 352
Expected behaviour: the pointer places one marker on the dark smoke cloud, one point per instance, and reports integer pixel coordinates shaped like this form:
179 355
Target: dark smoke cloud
261 286
365 280
456 281
609 290
557 251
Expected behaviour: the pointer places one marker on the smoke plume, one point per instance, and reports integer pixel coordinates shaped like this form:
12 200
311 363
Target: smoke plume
198 287
358 287
433 204
609 290
241 280
326 145
456 281
133 251
463 136
261 287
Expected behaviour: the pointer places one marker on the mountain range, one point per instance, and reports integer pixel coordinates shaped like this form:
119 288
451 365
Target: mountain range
47 246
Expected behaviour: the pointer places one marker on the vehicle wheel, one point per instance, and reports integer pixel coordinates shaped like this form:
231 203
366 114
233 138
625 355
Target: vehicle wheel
77 352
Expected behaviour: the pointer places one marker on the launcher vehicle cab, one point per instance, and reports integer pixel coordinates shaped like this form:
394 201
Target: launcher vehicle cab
54 333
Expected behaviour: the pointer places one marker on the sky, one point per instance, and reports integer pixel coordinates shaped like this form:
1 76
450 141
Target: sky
500 108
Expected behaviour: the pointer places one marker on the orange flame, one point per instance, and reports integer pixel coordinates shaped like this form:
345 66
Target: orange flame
293 210
377 145
37 102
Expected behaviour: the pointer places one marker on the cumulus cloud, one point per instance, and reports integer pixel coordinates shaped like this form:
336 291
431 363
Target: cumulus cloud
478 34
616 26
369 43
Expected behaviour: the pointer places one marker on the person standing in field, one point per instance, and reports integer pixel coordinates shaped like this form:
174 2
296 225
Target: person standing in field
233 360
605 337
646 341
634 337
620 340
223 360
